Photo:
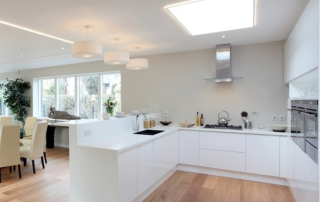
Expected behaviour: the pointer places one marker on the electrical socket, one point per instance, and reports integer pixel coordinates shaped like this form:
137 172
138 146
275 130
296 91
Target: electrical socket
87 133
165 113
274 117
281 117
149 105
155 106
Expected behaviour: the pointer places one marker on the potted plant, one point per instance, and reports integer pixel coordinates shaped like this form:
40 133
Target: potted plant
15 99
110 104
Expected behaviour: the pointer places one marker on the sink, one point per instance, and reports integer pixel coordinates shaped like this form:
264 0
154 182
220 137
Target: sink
149 132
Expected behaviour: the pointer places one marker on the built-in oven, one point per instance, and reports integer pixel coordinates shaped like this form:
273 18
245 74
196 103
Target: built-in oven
304 126
297 126
311 128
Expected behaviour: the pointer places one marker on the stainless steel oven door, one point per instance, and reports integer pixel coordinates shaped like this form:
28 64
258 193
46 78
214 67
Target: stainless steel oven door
300 138
311 128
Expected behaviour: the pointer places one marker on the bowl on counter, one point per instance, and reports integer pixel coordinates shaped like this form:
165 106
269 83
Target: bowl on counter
165 123
106 116
278 128
120 113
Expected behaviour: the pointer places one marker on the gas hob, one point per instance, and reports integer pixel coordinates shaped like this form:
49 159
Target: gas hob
230 127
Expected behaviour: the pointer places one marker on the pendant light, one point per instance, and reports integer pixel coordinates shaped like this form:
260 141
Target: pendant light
116 57
137 63
86 49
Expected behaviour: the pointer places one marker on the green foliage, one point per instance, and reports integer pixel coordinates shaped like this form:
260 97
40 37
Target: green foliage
15 99
91 84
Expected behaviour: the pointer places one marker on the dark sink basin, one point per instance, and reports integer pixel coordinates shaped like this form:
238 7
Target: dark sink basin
149 132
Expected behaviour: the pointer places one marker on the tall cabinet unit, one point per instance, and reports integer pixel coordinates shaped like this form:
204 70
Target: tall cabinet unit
301 50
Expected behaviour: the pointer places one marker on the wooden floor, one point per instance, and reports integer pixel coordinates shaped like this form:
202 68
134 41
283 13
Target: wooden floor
49 184
193 187
52 184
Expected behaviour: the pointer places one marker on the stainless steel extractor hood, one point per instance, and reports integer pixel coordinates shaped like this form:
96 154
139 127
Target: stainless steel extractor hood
223 64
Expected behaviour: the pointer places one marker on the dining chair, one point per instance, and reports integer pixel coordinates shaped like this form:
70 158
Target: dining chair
27 140
9 147
34 151
6 120
29 126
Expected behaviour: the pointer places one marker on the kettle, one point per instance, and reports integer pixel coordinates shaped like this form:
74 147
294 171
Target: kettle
223 121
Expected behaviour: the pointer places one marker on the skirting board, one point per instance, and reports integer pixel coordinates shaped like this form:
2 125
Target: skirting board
233 174
61 145
154 186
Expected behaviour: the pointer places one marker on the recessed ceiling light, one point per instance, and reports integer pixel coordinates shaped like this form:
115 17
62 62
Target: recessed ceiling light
223 36
21 56
34 31
209 16
62 48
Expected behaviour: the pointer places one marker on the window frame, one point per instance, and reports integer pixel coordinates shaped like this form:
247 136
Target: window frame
37 91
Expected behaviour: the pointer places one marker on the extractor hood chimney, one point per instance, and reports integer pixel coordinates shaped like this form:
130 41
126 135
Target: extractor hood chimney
223 64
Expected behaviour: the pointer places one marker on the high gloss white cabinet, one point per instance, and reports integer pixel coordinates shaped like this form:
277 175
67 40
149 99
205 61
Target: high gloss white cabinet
159 168
145 167
301 50
262 155
189 147
128 175
223 141
283 156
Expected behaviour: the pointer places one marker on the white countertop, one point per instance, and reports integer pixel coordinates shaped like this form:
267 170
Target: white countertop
129 140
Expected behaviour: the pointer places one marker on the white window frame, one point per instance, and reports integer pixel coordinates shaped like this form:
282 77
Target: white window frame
37 91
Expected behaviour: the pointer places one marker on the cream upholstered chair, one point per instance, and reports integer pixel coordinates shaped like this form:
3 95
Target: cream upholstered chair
27 140
35 149
9 147
29 126
6 120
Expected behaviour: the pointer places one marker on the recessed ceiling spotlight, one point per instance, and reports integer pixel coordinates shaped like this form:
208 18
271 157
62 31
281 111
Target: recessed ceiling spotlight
223 36
62 48
204 16
21 56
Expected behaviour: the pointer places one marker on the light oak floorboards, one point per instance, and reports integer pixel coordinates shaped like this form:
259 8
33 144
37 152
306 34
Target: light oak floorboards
193 187
49 184
52 184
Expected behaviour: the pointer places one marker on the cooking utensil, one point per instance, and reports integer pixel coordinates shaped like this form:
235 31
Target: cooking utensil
248 124
244 116
223 121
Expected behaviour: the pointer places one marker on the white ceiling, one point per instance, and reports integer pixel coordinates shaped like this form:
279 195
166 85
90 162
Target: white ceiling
143 23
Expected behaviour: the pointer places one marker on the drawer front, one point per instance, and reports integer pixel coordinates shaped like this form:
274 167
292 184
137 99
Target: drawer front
222 160
223 141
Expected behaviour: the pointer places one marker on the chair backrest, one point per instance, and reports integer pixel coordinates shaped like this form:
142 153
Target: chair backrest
38 139
30 125
6 120
9 145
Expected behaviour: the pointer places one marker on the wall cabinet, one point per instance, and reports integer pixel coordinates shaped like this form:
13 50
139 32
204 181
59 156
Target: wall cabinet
262 155
189 147
301 50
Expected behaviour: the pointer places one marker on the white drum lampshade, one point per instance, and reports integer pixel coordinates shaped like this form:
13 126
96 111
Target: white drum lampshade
137 64
116 58
86 49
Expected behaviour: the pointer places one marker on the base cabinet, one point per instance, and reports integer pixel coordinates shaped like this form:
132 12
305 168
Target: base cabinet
262 155
145 167
128 175
189 147
222 160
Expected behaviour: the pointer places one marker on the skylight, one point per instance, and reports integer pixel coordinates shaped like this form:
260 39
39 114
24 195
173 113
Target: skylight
210 16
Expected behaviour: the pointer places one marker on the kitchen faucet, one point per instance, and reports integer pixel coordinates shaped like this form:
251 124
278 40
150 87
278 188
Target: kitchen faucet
137 124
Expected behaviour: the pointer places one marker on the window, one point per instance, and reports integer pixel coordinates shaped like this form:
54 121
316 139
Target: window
81 95
88 96
47 96
111 86
67 95
2 106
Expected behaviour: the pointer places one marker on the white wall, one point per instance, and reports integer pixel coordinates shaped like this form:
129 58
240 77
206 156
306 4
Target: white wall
175 81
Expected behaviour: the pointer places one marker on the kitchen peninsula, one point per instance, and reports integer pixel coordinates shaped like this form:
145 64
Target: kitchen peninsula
108 161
